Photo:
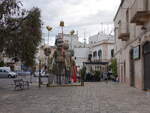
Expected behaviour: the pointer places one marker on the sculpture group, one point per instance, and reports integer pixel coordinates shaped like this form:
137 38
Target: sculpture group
61 64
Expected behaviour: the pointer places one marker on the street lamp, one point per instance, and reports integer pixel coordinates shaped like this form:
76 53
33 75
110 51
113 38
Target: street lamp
72 33
49 29
62 25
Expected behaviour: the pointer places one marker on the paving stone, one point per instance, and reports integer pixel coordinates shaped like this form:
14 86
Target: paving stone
92 98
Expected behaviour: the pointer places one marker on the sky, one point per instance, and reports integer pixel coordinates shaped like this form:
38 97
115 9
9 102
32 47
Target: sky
86 17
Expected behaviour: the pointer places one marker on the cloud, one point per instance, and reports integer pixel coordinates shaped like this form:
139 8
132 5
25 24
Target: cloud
81 15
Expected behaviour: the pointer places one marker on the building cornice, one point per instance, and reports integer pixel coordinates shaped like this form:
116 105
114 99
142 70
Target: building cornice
102 43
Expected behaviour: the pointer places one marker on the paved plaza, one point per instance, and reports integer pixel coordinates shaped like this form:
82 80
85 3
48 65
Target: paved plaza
97 97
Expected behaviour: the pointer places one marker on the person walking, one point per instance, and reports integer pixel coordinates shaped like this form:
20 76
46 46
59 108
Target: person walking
105 77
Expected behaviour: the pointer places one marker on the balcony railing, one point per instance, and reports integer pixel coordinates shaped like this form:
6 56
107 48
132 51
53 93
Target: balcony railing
123 32
140 12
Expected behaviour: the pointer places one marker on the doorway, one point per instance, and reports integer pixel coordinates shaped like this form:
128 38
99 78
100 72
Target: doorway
132 77
146 49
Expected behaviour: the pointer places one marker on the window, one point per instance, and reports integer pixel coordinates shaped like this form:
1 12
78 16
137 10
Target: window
112 53
100 53
94 53
89 57
4 71
127 20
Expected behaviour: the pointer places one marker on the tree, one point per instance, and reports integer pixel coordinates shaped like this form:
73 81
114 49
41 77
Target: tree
20 31
114 67
31 37
8 8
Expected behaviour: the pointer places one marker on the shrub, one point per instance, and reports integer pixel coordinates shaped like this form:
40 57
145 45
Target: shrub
114 67
2 63
83 72
97 75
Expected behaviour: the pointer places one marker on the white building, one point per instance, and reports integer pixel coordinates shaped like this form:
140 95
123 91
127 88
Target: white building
81 55
101 49
99 37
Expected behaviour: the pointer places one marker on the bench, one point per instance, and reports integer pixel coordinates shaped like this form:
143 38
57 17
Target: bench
20 84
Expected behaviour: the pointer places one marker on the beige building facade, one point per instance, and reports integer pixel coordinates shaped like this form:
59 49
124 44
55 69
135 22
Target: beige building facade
101 49
132 43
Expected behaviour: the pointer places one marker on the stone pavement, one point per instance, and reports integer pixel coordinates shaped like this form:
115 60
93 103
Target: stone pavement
97 97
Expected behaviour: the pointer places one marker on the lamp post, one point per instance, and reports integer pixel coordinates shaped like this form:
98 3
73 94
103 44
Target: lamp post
62 25
39 73
72 33
49 29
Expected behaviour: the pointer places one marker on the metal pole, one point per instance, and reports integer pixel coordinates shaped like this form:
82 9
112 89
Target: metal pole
48 37
71 42
62 32
39 73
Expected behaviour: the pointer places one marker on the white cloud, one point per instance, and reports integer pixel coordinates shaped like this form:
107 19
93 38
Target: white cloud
81 15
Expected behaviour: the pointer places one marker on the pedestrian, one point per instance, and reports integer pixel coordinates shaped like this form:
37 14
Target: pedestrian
105 77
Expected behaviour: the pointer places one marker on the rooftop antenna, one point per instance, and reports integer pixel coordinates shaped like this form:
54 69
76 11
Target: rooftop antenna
107 28
110 33
102 27
84 39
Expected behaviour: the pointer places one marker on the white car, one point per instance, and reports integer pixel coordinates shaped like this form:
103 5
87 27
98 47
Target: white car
4 73
36 74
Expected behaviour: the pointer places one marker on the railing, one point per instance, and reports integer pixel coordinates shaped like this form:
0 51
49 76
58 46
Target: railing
139 6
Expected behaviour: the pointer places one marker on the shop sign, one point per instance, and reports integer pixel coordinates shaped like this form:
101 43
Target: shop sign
136 52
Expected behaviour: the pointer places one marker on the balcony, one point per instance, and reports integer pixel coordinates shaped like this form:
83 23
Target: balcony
140 12
123 32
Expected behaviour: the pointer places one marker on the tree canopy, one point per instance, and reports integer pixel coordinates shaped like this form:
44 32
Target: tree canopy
20 31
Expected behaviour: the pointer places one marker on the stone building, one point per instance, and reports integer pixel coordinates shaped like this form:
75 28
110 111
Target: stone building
132 43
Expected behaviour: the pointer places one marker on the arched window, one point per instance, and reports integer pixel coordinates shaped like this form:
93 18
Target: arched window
112 53
89 57
100 53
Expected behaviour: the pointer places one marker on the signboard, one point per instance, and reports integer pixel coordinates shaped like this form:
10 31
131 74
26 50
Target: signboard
136 52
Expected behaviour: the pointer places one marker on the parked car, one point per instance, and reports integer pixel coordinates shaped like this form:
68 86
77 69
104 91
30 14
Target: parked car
6 68
4 73
22 73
